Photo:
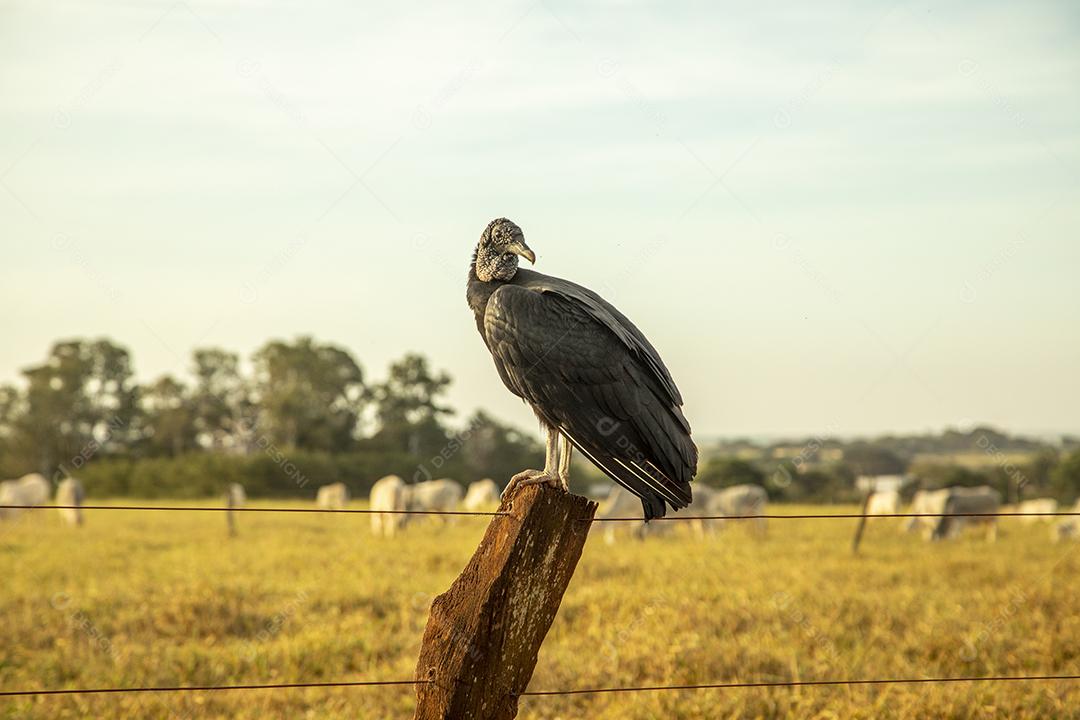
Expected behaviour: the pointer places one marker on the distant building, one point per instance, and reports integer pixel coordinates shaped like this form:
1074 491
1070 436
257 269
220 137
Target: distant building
881 483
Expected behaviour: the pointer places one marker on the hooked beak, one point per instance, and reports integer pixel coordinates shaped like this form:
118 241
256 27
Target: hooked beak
518 247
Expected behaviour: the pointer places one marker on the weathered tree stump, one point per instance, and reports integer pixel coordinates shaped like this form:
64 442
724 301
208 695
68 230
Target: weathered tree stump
483 635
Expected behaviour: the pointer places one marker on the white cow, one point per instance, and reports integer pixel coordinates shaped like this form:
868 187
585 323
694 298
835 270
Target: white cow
29 491
1067 529
927 502
742 501
442 495
332 497
10 495
704 504
599 491
886 502
35 489
70 492
481 494
388 493
621 503
1030 509
981 499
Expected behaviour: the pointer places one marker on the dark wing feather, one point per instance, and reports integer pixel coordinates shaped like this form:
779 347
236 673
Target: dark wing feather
598 381
609 316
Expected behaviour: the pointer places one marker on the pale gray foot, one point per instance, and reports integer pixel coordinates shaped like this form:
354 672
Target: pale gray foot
530 477
565 452
552 474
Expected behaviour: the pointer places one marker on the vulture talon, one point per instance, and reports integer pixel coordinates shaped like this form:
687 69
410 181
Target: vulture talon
529 477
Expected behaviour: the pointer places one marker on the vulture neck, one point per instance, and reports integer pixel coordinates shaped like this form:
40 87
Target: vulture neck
478 291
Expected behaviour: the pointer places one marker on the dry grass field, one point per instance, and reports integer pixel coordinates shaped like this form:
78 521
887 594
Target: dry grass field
156 598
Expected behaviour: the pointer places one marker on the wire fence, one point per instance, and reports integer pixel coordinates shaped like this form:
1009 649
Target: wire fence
210 508
498 513
209 688
841 516
802 683
778 684
545 693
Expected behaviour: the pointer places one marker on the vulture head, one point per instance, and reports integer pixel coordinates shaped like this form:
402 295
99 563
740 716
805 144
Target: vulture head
497 252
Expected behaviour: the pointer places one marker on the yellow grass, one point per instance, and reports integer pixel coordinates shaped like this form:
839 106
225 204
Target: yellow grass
138 598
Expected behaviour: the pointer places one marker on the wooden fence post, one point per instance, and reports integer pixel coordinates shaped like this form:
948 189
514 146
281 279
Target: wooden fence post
862 522
230 516
483 635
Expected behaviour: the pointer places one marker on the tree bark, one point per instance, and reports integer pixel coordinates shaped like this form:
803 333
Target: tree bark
483 635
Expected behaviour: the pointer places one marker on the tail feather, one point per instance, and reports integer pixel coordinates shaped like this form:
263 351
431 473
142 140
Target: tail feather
655 490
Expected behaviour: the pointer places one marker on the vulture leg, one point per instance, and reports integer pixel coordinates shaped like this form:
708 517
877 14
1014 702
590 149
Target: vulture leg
548 476
564 462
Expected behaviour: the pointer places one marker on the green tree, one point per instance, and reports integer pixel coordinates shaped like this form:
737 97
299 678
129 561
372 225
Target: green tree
870 459
80 403
408 407
221 399
13 457
309 395
492 449
1065 478
932 476
727 471
1034 477
168 417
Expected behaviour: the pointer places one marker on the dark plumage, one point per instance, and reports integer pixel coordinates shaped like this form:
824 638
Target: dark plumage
588 373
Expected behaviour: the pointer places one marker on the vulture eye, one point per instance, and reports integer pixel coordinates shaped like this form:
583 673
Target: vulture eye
507 255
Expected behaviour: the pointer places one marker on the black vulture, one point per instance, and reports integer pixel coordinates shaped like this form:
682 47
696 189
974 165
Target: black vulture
590 375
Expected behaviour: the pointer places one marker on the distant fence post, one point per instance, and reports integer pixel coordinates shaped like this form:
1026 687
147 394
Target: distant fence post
230 516
483 635
862 522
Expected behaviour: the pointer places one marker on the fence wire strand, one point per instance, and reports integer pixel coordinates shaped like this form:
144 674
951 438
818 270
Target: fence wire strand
499 513
195 508
202 688
840 516
802 683
541 693
548 693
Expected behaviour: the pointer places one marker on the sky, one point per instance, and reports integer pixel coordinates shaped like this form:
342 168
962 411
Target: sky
834 218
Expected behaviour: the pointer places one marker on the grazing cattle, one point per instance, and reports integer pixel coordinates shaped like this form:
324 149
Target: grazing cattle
29 491
10 495
388 494
1031 510
441 495
481 494
599 491
742 501
703 505
886 502
927 502
35 489
1067 529
70 492
621 503
332 497
981 499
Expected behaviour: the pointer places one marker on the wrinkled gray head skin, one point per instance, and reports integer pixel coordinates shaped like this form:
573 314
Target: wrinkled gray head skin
501 243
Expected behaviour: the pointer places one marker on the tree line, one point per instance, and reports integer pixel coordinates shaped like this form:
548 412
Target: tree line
300 413
824 470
